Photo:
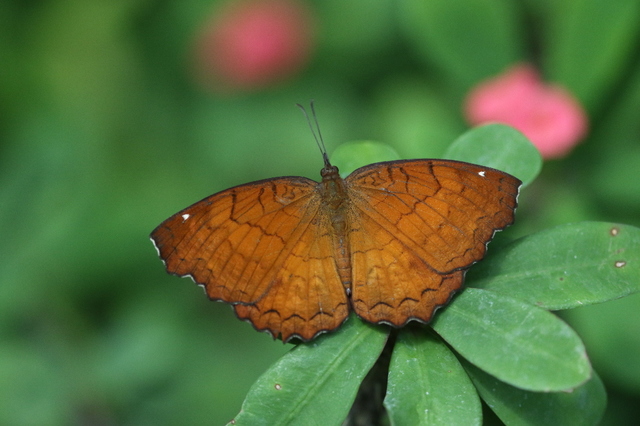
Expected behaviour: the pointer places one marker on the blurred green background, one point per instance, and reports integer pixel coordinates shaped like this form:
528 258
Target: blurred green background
105 131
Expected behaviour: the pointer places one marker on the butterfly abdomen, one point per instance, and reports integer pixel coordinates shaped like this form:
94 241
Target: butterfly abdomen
341 249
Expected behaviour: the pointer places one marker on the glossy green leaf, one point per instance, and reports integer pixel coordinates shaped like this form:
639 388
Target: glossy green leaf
427 385
501 147
316 382
584 405
520 344
352 155
566 266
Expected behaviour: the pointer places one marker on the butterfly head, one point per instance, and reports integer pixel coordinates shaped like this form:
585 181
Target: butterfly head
329 172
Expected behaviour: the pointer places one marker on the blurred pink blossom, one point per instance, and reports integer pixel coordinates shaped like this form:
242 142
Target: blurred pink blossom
250 44
547 114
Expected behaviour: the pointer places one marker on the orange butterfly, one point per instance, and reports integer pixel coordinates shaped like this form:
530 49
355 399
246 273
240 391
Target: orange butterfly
392 242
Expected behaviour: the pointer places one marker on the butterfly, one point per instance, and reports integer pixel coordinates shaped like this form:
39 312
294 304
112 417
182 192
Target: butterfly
391 242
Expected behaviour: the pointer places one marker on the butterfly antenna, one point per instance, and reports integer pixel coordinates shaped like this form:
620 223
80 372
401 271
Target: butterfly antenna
317 135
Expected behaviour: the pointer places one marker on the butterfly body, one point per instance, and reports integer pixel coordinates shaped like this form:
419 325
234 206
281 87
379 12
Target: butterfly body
336 200
391 242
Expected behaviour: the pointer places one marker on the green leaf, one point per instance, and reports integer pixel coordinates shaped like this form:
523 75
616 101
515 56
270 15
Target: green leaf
467 40
500 147
520 344
610 331
566 266
585 405
588 44
427 385
352 155
357 39
612 180
415 118
316 382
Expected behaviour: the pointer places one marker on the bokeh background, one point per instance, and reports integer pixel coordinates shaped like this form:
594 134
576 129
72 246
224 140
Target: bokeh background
116 114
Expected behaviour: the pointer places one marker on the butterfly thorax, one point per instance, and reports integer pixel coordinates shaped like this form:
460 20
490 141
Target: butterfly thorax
336 200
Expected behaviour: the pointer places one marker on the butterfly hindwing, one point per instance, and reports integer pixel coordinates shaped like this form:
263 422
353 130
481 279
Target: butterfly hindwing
391 283
306 297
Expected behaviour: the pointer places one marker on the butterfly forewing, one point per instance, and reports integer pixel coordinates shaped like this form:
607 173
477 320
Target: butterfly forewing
445 211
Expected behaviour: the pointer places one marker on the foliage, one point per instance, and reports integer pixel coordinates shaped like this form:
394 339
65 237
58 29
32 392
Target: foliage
105 131
497 336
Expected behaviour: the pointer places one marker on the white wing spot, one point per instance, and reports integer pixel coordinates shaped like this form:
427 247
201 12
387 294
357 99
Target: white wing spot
185 217
157 249
481 173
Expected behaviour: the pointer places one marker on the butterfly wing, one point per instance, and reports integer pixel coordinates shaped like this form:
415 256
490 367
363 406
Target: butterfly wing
421 224
261 248
307 297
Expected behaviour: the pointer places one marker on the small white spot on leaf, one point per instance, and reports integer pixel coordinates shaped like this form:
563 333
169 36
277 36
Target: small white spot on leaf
620 263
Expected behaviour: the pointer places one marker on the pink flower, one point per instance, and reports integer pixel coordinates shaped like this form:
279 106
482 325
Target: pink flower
250 44
546 114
